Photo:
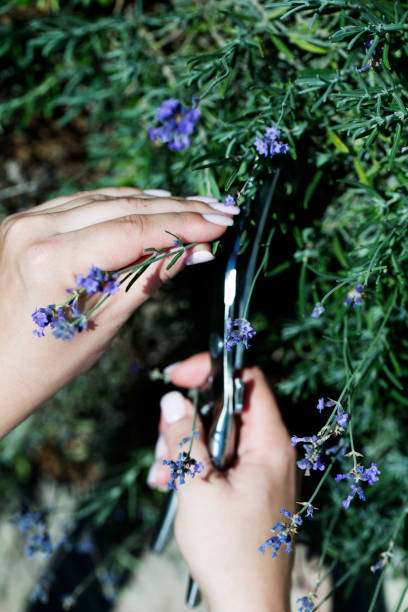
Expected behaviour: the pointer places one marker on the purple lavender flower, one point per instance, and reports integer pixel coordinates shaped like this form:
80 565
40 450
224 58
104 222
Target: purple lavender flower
238 330
41 590
354 490
385 559
312 458
309 511
366 46
282 533
268 146
97 281
261 146
355 296
178 123
271 133
229 200
311 461
38 542
43 317
358 474
183 466
295 440
342 418
318 310
321 404
306 604
167 109
63 329
38 538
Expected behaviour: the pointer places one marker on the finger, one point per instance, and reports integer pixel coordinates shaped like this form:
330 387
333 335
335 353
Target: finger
117 192
77 203
176 425
192 372
158 475
263 433
147 198
118 243
92 212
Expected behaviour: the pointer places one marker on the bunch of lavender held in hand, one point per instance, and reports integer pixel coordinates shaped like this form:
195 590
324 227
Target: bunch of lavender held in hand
67 318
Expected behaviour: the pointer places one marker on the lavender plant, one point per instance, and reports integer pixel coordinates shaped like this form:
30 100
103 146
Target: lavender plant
319 89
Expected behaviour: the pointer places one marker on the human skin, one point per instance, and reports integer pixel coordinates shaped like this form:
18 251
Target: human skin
44 248
223 517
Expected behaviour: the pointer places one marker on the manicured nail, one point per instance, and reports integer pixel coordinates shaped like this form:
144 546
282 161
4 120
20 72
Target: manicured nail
200 198
152 475
158 193
173 406
232 210
199 257
218 219
171 367
160 448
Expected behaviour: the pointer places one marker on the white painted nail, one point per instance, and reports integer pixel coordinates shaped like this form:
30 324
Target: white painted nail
152 475
158 193
160 448
171 367
173 406
218 219
200 198
232 210
199 257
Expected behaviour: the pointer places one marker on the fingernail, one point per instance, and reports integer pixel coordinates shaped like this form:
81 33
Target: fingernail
173 406
200 198
199 257
151 477
171 367
159 193
233 210
218 219
160 448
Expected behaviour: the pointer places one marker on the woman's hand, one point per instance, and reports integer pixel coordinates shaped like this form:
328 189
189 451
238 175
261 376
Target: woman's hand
44 248
223 517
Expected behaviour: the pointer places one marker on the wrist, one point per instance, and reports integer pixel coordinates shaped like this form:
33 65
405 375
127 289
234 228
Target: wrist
260 595
250 602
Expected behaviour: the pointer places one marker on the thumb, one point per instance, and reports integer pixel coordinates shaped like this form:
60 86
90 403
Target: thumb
176 424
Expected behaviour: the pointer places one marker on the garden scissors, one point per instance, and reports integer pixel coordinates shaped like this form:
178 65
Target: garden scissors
221 414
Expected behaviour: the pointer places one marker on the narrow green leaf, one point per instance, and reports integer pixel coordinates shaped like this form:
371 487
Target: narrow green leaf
173 261
280 45
306 45
395 145
311 188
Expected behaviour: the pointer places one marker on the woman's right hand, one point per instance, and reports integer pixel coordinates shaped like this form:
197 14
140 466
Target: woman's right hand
223 517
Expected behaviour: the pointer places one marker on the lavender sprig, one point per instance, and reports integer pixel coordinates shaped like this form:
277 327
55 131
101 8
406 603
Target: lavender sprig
66 319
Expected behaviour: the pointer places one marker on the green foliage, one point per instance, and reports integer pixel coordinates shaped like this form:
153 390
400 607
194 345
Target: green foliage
341 215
